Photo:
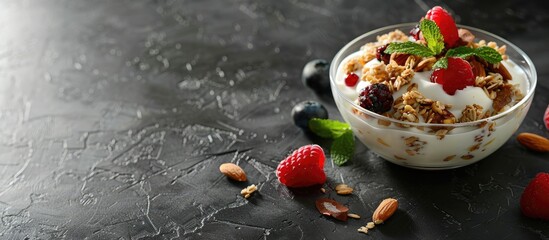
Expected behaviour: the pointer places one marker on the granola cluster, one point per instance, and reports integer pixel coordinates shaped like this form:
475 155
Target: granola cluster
412 106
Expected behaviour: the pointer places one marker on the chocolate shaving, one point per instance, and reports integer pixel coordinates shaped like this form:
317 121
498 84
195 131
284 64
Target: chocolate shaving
330 207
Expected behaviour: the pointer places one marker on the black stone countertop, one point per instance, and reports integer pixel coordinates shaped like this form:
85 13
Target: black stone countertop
115 116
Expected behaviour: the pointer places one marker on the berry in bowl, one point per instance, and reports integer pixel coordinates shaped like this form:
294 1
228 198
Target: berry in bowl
442 96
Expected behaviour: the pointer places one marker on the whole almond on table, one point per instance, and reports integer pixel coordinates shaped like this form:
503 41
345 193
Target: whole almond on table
385 210
233 172
534 142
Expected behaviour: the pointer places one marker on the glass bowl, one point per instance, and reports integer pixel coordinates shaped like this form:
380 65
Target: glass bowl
416 145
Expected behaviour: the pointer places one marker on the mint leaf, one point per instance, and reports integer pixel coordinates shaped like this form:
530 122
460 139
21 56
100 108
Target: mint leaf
328 128
489 54
343 148
409 48
432 35
461 52
441 63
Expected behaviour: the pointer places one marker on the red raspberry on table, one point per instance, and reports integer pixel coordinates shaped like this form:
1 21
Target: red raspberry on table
534 201
303 168
456 76
546 118
445 23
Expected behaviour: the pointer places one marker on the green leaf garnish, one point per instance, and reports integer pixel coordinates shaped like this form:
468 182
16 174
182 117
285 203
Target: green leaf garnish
328 128
409 48
487 53
432 35
343 148
461 52
441 63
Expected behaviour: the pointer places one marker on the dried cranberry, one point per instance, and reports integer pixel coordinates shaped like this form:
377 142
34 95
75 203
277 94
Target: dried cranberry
351 80
376 98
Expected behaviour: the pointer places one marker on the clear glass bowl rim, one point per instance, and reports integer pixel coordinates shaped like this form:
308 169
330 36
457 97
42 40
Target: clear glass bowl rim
532 80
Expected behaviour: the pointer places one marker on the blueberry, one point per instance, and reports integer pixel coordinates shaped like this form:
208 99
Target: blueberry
307 110
316 75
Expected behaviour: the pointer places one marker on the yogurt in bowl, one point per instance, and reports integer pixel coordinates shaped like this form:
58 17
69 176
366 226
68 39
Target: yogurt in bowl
430 123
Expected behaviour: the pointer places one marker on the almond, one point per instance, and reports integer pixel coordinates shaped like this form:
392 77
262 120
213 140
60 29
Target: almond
478 68
399 58
503 97
534 142
233 172
385 210
499 68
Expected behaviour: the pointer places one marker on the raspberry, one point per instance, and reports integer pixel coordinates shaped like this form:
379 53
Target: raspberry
457 76
381 55
351 80
303 168
534 201
546 118
376 98
445 23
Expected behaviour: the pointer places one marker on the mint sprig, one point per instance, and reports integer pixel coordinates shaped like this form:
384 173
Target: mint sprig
441 63
343 146
435 45
432 35
487 53
409 48
328 128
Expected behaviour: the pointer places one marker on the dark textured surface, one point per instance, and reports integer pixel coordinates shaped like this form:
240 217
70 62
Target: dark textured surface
115 116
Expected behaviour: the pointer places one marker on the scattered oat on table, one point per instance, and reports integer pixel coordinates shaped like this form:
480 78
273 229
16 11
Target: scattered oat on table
246 192
343 189
363 229
352 215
